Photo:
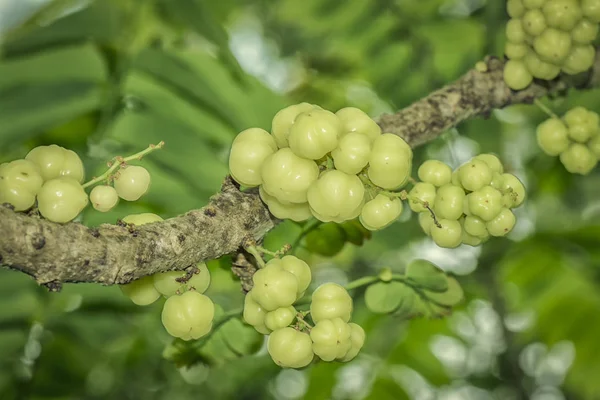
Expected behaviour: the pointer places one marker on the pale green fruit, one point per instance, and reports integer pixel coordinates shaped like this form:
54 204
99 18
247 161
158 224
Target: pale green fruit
474 175
253 314
280 318
249 150
357 340
20 182
502 224
61 199
426 222
331 339
531 4
355 120
435 172
290 348
591 9
562 14
424 192
188 316
492 161
552 136
515 32
274 287
166 282
513 189
336 196
449 235
380 212
298 268
540 69
578 159
534 22
315 133
141 291
594 146
553 46
330 301
294 211
516 51
580 59
449 202
485 203
470 240
515 8
475 226
132 182
352 153
586 121
55 161
391 162
141 219
284 119
585 31
287 177
516 75
104 198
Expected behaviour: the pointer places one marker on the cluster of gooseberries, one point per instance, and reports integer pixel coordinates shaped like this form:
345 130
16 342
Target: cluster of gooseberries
187 313
545 37
574 138
467 205
293 341
52 177
333 166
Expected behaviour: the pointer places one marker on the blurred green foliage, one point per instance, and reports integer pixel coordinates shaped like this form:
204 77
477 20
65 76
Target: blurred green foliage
109 77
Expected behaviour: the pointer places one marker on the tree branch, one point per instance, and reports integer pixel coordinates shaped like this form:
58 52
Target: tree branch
114 254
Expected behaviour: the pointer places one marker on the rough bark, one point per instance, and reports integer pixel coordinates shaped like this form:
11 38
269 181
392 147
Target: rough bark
116 254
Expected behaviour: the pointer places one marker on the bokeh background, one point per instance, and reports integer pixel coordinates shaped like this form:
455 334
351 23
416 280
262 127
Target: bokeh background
109 77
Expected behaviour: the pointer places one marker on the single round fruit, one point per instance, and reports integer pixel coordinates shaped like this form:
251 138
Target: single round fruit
470 240
516 75
540 69
474 175
355 120
331 339
585 31
426 222
390 162
515 32
580 59
591 10
492 161
61 199
485 203
329 301
562 14
357 340
380 212
531 4
141 219
352 153
284 119
582 124
274 287
167 285
534 22
515 8
294 211
513 191
475 226
296 267
336 196
552 45
449 235
326 239
132 182
248 152
502 224
104 198
594 146
315 133
516 51
287 177
20 182
290 348
552 136
188 316
141 291
55 161
449 202
578 159
423 191
280 318
435 172
253 314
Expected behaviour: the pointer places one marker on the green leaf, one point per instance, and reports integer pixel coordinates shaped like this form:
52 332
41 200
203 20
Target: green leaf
385 297
355 232
241 338
327 239
451 297
285 233
426 275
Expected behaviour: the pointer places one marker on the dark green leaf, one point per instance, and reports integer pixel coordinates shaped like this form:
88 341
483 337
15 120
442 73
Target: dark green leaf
327 239
385 297
451 297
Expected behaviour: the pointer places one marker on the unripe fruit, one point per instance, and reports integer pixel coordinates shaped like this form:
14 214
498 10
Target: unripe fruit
578 159
435 172
474 175
515 32
533 22
274 287
20 181
516 75
587 121
336 196
552 45
470 240
248 152
515 8
449 235
514 191
492 161
254 314
297 267
516 51
580 59
132 182
390 162
540 69
475 226
357 340
531 4
329 301
331 339
104 198
284 119
552 136
167 285
424 192
485 203
315 133
426 222
380 212
280 318
594 146
585 31
290 348
55 161
502 224
352 153
61 199
294 211
591 9
355 120
141 291
188 316
287 177
141 219
562 14
449 202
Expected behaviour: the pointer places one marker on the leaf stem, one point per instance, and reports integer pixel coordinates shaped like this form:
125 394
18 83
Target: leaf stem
257 256
545 108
